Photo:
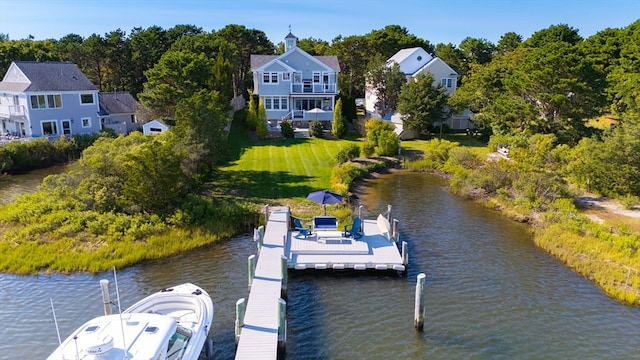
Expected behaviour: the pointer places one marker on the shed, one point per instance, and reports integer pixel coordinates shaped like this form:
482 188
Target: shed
154 127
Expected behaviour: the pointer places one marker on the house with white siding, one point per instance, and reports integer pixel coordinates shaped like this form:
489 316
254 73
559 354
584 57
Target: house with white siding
47 99
413 62
295 85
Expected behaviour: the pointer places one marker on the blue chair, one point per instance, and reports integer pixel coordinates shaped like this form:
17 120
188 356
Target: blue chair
355 230
302 231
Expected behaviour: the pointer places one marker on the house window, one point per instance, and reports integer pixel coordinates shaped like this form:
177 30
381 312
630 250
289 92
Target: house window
297 78
38 102
270 77
284 103
316 77
86 99
446 82
286 76
133 119
54 101
267 103
49 127
276 103
86 122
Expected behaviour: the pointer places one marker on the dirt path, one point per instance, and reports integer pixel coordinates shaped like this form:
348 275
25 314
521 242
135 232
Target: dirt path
599 203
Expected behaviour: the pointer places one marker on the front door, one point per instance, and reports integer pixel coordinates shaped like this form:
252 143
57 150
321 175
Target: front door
66 127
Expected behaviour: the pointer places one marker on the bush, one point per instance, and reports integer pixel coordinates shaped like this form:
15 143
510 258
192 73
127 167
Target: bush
315 129
286 129
347 153
387 143
368 148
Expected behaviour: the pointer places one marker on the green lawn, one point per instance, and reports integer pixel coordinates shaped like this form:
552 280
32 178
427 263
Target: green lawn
282 169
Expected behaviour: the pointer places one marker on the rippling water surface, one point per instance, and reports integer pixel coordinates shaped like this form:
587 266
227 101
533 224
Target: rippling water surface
490 294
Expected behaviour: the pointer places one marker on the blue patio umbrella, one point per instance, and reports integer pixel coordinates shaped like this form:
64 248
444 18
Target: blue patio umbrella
325 197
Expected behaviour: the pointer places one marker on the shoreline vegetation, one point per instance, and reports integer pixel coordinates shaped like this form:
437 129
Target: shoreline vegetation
604 253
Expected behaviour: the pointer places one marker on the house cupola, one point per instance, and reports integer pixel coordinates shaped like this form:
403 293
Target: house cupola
290 41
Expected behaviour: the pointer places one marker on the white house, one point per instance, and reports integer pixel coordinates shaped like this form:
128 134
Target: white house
413 62
154 127
47 99
296 85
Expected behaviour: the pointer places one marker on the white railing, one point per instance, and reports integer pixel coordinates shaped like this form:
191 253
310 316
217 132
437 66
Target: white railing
309 88
12 111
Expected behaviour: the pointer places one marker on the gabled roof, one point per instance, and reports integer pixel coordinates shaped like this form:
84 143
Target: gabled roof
435 61
258 61
117 103
48 76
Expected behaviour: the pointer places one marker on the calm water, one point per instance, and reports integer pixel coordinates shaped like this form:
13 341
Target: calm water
14 185
490 294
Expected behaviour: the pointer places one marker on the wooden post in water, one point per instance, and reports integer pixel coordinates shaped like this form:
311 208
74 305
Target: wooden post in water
418 321
260 236
284 264
360 211
241 307
106 296
282 327
252 268
396 235
389 213
405 254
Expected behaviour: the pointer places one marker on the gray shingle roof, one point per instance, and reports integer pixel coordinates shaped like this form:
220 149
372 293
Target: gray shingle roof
50 76
259 60
120 102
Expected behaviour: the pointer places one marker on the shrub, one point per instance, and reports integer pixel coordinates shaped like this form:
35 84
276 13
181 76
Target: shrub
315 129
629 201
368 148
286 129
347 153
387 143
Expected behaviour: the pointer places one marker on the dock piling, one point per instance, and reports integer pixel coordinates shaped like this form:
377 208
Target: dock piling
389 213
418 321
282 326
405 253
394 229
251 263
241 307
284 265
106 297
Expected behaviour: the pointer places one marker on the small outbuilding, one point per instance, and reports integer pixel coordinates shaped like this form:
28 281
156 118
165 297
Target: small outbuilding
154 127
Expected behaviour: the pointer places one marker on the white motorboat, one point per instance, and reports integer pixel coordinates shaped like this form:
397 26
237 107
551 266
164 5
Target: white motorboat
170 324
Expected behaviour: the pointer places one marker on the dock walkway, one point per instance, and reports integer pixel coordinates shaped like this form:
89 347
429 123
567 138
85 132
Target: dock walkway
377 249
259 336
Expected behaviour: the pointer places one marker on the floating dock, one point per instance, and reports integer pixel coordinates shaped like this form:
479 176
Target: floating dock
261 320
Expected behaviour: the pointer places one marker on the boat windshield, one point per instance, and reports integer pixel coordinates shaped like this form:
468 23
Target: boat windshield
178 343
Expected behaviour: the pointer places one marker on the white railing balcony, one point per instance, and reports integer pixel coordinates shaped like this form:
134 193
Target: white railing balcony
12 111
310 88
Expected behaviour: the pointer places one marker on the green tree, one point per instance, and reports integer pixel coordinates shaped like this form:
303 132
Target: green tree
453 57
94 51
386 81
178 75
338 126
477 51
552 34
201 121
508 42
261 125
421 103
252 112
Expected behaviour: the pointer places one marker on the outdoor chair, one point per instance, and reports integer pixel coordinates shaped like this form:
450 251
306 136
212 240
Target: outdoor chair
355 230
302 231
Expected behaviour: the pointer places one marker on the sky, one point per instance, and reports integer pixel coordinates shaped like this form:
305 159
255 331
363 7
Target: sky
438 21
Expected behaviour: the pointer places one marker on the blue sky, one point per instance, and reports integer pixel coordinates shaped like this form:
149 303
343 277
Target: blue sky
437 21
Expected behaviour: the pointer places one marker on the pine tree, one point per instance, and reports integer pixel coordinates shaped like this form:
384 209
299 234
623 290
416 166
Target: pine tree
339 127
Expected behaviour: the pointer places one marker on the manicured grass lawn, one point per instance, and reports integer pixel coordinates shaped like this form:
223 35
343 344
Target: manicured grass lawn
282 169
469 142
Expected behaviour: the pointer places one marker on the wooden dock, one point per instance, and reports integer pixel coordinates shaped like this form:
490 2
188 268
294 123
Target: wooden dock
259 336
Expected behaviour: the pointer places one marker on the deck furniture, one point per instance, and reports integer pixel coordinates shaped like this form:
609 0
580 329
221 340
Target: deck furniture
302 230
355 230
325 223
